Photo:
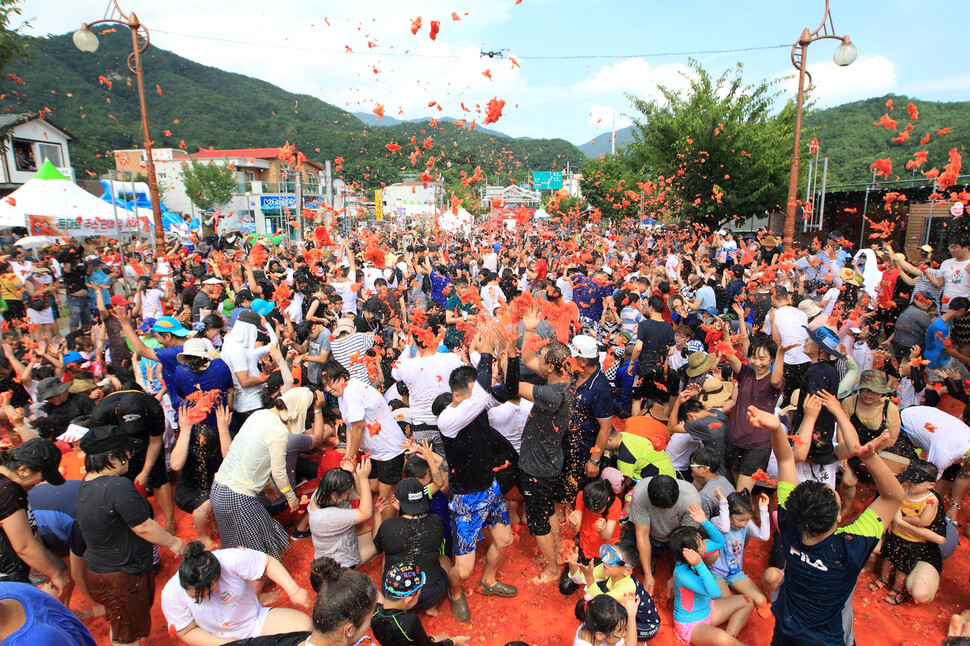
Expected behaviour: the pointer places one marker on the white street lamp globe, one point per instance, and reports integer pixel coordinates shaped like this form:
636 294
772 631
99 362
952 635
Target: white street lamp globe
845 54
85 40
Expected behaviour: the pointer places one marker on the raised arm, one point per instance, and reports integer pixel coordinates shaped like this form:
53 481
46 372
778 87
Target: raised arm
779 443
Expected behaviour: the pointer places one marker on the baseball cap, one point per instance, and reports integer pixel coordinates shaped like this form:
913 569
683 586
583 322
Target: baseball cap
584 346
146 325
102 439
927 248
403 580
411 496
374 305
262 306
695 345
73 357
132 414
41 455
119 301
171 325
345 325
212 281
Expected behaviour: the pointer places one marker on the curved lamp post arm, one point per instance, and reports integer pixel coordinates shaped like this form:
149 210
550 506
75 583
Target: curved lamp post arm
844 55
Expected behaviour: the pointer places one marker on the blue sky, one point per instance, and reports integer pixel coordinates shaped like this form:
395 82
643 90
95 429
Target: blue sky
904 47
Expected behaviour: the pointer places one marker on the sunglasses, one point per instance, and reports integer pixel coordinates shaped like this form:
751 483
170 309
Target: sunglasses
610 556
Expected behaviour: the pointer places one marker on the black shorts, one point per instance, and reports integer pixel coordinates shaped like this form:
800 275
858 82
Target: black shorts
388 472
188 499
539 495
746 462
655 382
156 477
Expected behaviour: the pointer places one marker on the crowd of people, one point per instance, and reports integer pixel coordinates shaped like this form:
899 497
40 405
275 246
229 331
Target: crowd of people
617 391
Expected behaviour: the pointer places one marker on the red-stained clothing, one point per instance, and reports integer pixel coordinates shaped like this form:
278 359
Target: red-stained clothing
589 539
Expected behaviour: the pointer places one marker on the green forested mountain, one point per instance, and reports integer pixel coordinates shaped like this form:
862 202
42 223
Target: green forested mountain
94 97
849 139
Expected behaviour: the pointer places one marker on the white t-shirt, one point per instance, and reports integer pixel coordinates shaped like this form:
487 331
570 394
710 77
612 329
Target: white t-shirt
426 378
363 402
371 274
509 419
346 292
956 282
672 266
789 321
579 641
945 438
567 288
492 297
151 303
679 448
233 611
490 262
239 359
334 534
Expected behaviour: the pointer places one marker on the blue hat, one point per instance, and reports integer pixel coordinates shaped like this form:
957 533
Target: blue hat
826 339
262 307
695 345
146 325
73 357
496 247
171 325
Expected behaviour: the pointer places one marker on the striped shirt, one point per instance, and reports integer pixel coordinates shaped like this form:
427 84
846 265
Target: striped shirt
349 352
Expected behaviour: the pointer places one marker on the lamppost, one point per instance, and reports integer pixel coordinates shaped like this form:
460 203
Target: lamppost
844 55
87 41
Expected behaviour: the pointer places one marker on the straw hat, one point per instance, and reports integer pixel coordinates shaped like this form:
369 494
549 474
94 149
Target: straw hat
715 393
700 362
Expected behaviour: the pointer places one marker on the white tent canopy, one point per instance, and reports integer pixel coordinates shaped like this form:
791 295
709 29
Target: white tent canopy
541 214
451 222
50 204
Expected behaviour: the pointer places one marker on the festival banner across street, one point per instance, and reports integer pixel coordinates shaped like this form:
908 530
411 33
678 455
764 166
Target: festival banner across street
85 227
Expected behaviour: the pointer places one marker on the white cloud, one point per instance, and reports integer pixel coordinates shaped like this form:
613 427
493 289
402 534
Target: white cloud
832 85
601 118
637 77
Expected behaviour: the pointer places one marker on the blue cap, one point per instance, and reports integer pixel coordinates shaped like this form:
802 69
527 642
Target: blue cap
146 325
826 339
171 325
262 307
695 345
73 357
496 247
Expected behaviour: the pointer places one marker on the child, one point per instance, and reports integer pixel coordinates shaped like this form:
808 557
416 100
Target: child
698 605
734 521
333 523
903 547
614 577
596 519
434 479
759 385
393 624
606 622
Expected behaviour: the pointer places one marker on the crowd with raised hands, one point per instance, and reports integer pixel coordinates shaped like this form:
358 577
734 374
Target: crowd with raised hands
615 392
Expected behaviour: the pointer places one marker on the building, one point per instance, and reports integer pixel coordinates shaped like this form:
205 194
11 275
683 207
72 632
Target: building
268 193
33 139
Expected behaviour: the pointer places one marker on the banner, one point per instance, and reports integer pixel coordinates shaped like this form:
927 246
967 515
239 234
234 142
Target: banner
85 226
379 204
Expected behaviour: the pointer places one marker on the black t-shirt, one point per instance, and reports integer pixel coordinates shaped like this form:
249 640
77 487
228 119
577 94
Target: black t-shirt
657 337
76 271
203 460
13 498
107 508
412 540
74 406
18 394
393 627
760 304
200 302
541 453
286 639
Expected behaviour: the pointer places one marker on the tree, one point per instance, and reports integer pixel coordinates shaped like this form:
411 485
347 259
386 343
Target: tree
209 185
719 148
609 185
13 46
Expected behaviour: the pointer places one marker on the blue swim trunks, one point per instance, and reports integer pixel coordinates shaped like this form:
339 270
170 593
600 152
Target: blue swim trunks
472 512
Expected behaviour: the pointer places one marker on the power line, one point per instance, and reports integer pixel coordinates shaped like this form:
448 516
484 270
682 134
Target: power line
370 52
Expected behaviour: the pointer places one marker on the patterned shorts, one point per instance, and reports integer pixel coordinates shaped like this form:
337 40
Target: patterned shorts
473 512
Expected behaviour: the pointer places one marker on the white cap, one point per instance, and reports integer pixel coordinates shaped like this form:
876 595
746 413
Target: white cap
212 281
584 346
